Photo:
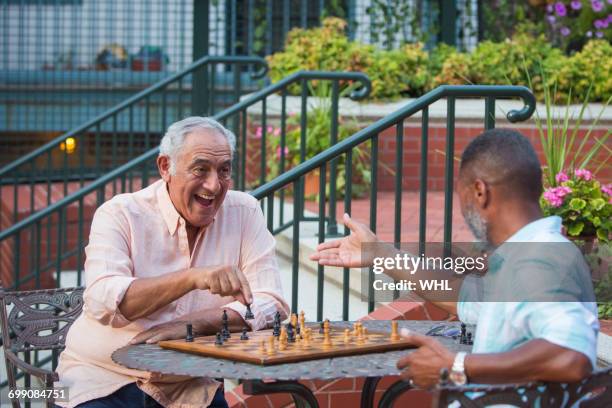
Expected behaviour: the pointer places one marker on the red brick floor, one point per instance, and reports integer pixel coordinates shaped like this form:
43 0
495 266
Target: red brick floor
410 216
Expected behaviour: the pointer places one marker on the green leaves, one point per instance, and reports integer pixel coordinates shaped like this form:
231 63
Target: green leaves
576 228
577 204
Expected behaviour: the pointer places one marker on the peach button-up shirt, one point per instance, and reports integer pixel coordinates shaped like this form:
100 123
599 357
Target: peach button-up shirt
141 235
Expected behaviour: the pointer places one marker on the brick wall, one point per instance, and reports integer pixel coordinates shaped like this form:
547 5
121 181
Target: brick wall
346 392
464 133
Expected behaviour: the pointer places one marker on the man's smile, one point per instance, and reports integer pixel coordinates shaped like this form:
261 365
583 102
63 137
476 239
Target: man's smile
204 199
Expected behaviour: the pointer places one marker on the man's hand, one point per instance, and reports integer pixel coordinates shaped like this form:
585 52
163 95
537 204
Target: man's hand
165 331
346 252
423 365
223 281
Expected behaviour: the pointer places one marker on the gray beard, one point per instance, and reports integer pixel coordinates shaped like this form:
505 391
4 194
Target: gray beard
477 225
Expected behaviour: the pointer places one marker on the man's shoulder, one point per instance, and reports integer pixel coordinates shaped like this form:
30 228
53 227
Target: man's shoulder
239 199
132 203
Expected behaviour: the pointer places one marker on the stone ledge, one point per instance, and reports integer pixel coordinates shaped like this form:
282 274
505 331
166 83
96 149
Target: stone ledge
467 110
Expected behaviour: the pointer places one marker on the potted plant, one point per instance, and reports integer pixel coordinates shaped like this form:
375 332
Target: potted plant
584 205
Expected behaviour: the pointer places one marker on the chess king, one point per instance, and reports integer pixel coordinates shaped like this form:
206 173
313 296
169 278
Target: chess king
499 186
180 251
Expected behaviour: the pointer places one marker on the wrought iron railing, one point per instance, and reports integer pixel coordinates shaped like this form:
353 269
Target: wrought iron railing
53 238
370 135
118 135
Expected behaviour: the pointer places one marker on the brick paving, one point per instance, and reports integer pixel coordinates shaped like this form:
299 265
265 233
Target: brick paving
410 216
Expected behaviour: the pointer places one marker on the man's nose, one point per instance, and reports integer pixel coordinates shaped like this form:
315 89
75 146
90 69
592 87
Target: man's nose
212 183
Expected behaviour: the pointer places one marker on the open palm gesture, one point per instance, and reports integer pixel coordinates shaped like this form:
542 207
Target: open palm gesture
347 251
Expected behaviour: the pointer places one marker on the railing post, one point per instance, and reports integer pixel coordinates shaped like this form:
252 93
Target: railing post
200 86
448 21
332 225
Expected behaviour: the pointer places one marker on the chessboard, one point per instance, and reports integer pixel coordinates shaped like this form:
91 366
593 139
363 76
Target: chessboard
292 343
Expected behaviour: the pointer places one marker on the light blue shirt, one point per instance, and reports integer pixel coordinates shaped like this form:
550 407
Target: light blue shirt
520 272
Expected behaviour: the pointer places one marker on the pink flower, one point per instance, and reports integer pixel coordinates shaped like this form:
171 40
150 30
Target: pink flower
270 129
552 198
607 188
576 5
583 174
563 191
561 177
258 132
277 132
565 31
278 151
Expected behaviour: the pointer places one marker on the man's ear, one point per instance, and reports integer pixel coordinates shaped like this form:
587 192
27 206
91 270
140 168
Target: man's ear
482 194
163 165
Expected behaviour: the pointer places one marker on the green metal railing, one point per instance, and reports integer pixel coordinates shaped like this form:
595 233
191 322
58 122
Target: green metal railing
294 177
118 135
53 238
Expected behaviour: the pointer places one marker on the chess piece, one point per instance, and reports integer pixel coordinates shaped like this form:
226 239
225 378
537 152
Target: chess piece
294 320
360 336
302 318
225 333
262 347
244 335
394 333
249 314
271 350
321 330
327 341
189 336
463 337
290 333
469 339
218 339
276 329
444 376
282 345
347 336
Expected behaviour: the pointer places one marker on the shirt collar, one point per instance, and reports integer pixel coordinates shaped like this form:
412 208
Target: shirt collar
168 212
531 230
526 234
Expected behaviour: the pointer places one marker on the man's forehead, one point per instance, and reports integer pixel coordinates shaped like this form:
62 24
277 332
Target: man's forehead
206 144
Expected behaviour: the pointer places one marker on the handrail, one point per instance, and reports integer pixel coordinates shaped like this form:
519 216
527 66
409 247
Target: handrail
249 101
260 73
400 114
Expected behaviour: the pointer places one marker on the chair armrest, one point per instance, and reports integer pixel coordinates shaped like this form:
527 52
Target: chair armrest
30 369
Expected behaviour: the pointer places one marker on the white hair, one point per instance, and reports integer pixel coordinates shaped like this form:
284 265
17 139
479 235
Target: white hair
173 140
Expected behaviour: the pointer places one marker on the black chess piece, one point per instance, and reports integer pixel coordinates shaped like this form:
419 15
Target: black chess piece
290 333
189 336
225 333
463 337
276 329
322 328
219 339
469 339
444 376
249 314
244 335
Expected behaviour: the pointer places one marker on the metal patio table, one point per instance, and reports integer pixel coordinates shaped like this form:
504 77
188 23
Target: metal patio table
284 378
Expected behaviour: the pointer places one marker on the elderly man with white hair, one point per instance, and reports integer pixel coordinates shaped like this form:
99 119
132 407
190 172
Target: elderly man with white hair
180 250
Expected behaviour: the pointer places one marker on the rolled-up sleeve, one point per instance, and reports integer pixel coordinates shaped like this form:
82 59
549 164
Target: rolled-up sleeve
258 263
108 266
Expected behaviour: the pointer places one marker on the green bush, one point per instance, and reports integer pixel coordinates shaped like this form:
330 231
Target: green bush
412 71
591 65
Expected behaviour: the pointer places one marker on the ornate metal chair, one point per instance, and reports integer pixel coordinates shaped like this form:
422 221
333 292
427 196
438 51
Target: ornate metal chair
36 321
592 392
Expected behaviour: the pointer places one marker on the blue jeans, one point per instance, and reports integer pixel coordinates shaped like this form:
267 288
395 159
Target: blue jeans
130 396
